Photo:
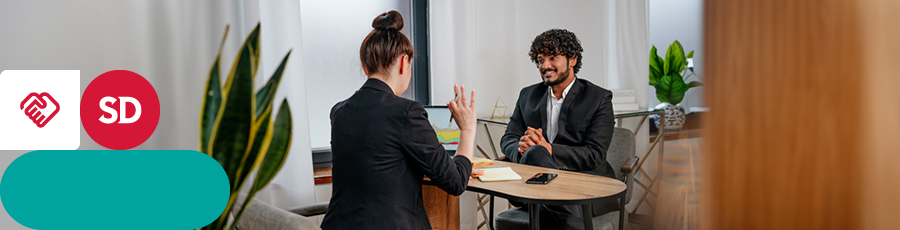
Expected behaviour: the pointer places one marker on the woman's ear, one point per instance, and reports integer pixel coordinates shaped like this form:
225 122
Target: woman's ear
404 62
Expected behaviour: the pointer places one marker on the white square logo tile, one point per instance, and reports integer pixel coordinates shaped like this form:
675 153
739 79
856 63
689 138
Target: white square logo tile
40 109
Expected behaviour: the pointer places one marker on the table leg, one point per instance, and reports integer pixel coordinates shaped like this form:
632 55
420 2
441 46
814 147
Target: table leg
586 215
491 216
622 210
534 218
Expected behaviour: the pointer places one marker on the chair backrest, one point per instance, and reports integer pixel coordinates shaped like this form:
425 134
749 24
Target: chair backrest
621 148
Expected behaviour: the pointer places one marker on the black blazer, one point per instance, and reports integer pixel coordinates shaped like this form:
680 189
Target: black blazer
585 126
383 145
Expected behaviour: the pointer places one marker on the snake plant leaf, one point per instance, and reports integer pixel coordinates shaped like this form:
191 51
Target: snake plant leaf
211 103
267 93
253 43
693 84
655 68
231 133
276 149
211 100
258 155
262 134
253 158
261 100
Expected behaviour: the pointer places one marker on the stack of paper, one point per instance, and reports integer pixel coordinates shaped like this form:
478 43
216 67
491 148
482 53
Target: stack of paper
624 100
498 174
482 162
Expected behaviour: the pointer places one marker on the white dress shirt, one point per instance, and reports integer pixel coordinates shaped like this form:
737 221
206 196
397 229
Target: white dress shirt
553 106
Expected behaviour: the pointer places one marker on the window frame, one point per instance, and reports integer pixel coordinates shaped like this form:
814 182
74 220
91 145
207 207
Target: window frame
421 89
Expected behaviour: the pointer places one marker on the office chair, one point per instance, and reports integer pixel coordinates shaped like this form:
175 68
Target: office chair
621 152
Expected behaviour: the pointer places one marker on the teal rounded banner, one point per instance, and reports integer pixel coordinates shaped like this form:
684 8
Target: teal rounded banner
111 189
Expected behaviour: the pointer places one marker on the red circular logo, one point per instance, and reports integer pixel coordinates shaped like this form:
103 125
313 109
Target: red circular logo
119 109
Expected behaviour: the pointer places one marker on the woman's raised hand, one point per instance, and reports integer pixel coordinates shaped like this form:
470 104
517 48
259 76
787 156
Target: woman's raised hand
463 111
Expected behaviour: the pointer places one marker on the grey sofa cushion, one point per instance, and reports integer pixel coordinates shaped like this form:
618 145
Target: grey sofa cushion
262 216
310 210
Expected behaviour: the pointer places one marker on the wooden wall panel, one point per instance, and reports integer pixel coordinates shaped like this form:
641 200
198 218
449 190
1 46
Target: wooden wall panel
881 78
784 134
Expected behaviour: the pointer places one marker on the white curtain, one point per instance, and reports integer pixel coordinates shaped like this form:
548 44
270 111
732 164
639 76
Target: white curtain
293 185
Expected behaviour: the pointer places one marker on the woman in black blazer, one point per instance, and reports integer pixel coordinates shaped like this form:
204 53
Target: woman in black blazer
383 144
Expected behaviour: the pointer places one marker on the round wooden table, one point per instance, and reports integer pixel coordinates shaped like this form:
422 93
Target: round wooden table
568 188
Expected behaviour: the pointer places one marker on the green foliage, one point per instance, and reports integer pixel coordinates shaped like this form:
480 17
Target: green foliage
236 128
667 75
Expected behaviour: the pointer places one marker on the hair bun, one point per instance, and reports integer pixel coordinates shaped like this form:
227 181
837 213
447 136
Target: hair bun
391 20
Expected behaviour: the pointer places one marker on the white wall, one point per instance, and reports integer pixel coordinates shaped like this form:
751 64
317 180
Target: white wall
683 21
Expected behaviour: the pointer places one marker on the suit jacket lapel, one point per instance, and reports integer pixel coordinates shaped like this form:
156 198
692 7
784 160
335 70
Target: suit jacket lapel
542 110
564 111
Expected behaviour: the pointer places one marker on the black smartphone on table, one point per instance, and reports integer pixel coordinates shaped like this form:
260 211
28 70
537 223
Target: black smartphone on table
541 178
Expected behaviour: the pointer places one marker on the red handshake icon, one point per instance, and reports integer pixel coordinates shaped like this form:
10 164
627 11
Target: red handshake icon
40 108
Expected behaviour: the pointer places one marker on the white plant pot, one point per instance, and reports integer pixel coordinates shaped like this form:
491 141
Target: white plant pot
674 117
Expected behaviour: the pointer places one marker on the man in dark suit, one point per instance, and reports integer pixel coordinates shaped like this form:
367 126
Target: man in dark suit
562 123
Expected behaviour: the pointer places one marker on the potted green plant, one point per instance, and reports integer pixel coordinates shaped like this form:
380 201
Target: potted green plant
667 76
236 126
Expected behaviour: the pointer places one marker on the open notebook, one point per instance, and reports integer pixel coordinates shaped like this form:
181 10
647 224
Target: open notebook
498 174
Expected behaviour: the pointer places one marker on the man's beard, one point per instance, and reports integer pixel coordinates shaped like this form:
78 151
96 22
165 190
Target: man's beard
562 77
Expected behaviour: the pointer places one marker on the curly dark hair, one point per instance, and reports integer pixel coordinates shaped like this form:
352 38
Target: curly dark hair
557 42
